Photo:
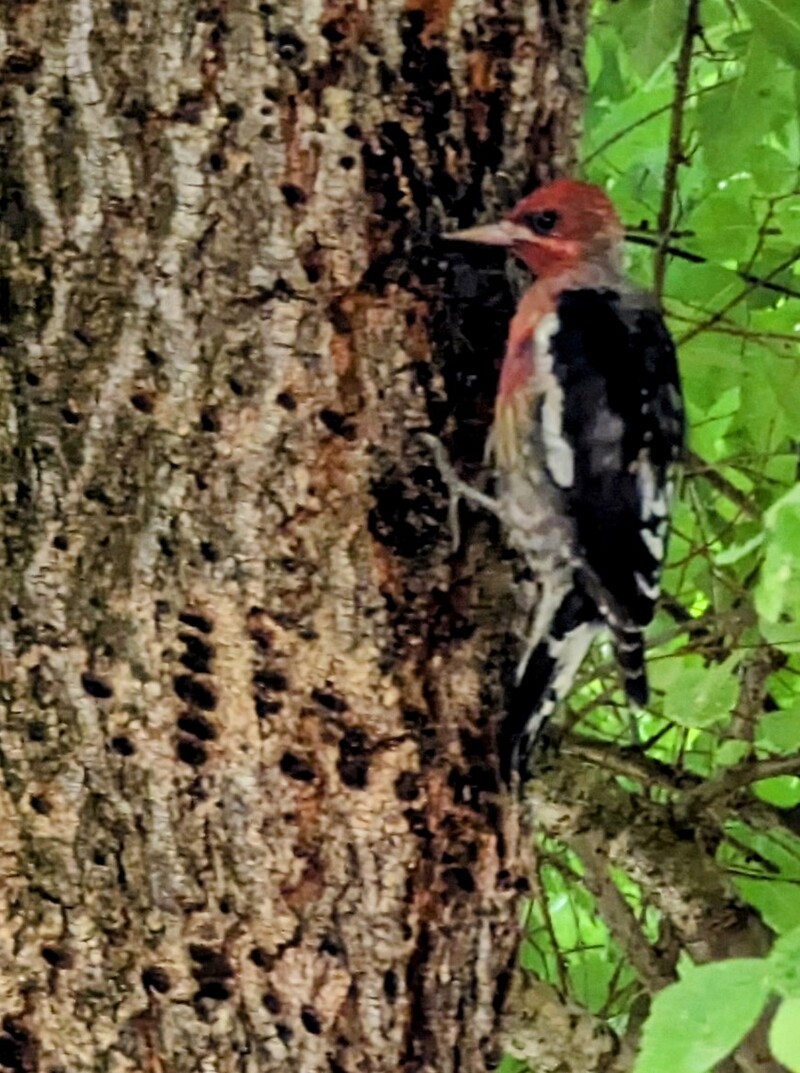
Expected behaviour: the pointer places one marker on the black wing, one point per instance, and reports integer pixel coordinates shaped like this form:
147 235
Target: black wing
622 417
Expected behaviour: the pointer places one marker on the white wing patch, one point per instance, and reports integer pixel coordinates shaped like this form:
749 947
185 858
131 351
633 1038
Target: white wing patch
654 544
650 589
559 456
569 653
652 499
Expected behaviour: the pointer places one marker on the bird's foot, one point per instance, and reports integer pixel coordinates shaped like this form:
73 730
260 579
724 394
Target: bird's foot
457 488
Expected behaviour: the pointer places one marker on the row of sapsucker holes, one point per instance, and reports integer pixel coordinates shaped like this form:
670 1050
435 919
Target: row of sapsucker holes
215 977
194 687
269 682
196 728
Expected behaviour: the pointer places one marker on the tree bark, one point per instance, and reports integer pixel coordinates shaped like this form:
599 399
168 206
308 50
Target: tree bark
249 814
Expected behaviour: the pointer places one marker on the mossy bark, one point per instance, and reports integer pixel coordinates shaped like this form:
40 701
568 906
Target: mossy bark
249 817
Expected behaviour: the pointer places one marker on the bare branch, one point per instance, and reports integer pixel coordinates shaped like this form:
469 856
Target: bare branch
675 148
628 762
735 778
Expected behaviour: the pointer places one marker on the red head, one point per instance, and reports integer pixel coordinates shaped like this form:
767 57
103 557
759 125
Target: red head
557 228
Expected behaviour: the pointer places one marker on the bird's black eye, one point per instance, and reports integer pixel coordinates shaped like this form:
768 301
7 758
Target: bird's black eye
541 223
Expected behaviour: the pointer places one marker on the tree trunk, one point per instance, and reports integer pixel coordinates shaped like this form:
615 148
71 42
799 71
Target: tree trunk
249 814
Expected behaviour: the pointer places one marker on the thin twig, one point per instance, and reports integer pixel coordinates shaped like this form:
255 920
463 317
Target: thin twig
721 484
743 333
715 318
675 147
666 249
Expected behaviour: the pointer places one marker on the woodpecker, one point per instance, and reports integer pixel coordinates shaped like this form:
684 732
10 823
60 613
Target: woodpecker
588 425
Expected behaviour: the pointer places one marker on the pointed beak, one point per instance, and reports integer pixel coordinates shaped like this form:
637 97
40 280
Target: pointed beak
504 233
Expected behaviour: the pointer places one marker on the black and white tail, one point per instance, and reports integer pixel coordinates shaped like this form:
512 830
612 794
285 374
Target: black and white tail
629 650
545 677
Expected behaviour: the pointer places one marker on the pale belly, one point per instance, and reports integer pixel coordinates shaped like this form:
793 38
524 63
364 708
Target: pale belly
536 527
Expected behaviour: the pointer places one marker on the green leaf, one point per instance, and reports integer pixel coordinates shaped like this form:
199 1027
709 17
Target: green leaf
780 730
777 846
724 221
778 21
697 1021
696 695
773 171
724 136
775 900
784 1034
509 1064
650 30
734 552
782 791
778 589
784 964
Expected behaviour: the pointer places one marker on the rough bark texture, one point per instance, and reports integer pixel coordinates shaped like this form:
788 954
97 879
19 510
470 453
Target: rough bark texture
248 816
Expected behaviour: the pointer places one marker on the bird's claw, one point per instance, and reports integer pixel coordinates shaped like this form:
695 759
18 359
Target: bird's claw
457 488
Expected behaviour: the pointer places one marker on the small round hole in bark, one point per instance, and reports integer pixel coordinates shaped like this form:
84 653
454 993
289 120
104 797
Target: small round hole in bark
154 978
208 551
193 691
96 686
123 745
209 419
406 786
57 956
329 700
310 1020
142 401
271 1002
215 990
197 726
292 194
290 47
191 752
296 768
